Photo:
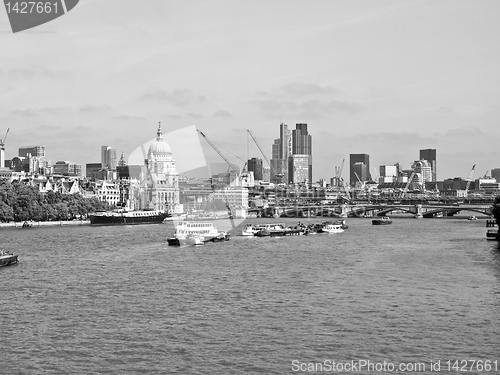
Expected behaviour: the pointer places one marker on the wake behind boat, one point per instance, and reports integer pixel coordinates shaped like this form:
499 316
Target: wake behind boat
122 217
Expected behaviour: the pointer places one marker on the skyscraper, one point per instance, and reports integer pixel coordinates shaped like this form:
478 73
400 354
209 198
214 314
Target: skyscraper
255 166
301 140
354 167
301 145
108 158
281 152
430 155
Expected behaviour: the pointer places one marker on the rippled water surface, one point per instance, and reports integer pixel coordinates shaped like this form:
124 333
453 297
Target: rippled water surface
118 300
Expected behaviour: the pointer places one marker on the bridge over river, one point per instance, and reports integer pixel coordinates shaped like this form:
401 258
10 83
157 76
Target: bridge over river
359 210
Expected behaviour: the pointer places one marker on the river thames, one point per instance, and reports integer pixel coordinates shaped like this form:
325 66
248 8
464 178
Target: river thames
119 300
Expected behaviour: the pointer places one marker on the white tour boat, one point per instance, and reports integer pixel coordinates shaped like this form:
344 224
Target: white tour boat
332 228
194 233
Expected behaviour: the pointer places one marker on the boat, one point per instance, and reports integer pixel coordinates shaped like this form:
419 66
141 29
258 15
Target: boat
492 235
194 232
123 217
195 239
384 220
328 227
222 236
472 218
313 229
265 230
250 230
7 258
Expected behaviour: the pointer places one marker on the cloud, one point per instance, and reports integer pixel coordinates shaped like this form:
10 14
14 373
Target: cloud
93 108
47 128
298 89
304 89
32 112
464 131
390 138
37 71
222 114
445 109
29 112
275 105
309 109
179 97
83 128
331 106
193 115
129 118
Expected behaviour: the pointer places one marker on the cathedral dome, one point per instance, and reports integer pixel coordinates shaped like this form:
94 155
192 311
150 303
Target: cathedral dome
160 148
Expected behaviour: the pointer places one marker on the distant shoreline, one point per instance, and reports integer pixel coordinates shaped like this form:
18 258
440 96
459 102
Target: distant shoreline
19 224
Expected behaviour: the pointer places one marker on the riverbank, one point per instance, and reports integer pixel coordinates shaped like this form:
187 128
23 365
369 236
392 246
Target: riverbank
33 224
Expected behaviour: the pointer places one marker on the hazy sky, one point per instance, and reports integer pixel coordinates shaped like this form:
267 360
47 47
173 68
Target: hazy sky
386 78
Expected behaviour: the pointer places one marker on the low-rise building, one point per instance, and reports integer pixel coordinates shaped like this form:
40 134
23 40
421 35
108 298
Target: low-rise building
108 192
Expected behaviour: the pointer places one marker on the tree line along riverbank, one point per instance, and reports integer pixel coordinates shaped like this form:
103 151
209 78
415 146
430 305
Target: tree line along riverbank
20 202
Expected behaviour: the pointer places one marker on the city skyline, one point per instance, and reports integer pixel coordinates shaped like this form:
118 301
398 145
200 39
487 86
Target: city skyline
385 78
284 147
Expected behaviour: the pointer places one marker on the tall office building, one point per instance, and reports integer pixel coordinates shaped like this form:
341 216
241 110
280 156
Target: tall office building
430 155
290 151
355 168
301 140
301 152
108 158
285 146
255 166
281 152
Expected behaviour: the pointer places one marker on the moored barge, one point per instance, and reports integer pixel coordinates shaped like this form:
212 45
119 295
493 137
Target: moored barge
122 217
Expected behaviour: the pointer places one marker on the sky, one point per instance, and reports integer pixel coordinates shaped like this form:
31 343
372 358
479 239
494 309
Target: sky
385 78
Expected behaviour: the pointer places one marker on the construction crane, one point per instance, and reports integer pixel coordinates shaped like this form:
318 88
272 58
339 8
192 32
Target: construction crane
361 183
260 148
346 190
338 173
376 174
232 167
410 179
2 142
278 175
2 150
469 179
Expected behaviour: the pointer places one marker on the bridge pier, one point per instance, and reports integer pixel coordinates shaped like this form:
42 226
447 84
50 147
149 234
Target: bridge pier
418 210
343 210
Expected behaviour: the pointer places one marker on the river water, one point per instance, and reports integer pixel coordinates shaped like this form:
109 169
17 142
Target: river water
119 300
